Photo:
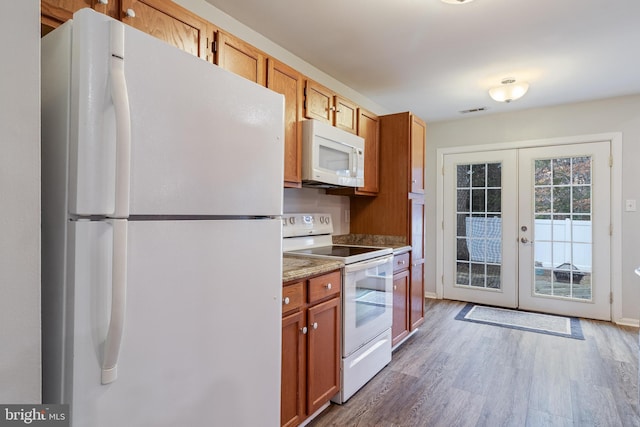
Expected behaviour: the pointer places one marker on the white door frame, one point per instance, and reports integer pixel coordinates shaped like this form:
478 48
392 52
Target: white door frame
615 138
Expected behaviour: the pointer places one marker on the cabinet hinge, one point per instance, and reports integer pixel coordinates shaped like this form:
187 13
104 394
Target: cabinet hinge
442 279
610 229
610 161
610 297
442 170
442 225
214 46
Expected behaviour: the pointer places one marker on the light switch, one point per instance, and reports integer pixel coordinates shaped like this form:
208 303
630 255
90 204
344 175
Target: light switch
630 205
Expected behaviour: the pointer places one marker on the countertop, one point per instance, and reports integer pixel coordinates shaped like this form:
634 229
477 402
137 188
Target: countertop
296 267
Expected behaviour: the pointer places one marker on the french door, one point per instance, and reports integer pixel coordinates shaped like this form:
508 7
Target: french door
529 228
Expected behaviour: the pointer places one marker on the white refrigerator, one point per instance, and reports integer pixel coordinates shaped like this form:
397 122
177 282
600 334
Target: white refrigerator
161 258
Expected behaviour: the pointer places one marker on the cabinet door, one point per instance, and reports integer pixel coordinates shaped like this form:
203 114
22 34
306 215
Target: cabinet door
240 58
169 22
346 115
323 353
418 147
318 102
293 383
287 81
55 12
400 325
416 226
369 129
416 297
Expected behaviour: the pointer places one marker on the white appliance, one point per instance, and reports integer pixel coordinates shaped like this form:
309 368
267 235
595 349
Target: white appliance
161 175
367 296
331 157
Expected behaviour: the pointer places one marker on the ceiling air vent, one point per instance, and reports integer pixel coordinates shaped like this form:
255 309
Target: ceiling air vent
473 110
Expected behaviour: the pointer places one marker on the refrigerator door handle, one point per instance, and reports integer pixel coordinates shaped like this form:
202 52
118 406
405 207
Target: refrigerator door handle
120 97
118 302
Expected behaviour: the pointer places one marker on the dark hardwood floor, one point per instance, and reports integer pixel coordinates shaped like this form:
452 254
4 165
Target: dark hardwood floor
455 373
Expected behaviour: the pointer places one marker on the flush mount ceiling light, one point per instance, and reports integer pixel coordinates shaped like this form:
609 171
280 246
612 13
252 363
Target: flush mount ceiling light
510 90
457 1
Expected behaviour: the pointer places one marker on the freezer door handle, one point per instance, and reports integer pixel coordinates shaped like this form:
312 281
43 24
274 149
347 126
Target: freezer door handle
118 302
120 98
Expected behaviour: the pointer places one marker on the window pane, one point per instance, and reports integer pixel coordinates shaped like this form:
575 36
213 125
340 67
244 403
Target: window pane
478 175
562 171
463 172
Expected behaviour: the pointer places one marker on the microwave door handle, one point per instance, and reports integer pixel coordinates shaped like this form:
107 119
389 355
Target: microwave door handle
354 164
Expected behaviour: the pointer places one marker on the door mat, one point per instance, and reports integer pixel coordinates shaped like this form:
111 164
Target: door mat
549 324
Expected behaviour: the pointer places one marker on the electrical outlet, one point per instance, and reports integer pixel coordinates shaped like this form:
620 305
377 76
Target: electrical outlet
630 205
347 216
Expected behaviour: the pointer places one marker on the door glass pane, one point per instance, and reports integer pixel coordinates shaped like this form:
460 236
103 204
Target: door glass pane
562 243
479 225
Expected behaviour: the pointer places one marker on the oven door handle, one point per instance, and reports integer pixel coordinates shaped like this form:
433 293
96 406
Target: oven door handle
359 266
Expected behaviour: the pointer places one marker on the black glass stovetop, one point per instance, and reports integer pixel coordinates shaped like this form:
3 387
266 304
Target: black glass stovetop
337 251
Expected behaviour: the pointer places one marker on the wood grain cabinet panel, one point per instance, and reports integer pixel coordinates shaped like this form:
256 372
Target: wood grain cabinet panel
240 58
321 103
346 114
293 382
418 153
398 209
171 23
323 380
318 102
290 83
56 12
400 325
310 347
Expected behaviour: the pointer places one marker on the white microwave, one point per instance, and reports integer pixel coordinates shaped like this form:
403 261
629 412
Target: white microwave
331 157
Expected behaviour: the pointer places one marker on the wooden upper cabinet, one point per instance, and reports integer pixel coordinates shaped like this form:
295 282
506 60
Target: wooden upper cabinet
346 115
56 12
240 58
321 103
169 22
418 152
290 83
318 102
369 129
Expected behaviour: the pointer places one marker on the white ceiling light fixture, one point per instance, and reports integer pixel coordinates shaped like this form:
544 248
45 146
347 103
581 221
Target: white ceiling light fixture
457 1
510 90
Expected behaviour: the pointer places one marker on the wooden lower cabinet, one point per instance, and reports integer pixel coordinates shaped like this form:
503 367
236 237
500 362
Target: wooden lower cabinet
416 295
401 285
310 346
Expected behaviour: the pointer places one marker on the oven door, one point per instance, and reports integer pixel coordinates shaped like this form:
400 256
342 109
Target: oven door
367 302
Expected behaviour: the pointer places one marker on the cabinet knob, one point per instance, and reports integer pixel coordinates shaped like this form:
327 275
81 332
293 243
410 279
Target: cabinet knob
304 330
402 262
315 325
286 300
395 287
413 181
332 108
103 1
130 13
328 286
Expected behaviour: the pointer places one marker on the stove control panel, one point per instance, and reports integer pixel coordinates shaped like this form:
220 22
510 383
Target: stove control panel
300 224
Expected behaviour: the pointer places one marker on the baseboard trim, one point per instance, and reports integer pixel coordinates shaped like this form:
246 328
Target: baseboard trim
625 321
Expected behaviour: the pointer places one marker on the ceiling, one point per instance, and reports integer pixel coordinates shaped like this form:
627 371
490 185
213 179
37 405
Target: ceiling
437 59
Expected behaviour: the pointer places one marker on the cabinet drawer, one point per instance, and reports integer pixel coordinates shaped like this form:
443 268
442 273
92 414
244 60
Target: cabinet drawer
401 262
292 297
323 286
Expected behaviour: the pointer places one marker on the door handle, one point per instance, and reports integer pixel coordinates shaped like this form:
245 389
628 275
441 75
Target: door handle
525 241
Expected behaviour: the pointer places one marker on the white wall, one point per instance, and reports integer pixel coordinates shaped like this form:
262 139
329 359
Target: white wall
20 200
597 117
